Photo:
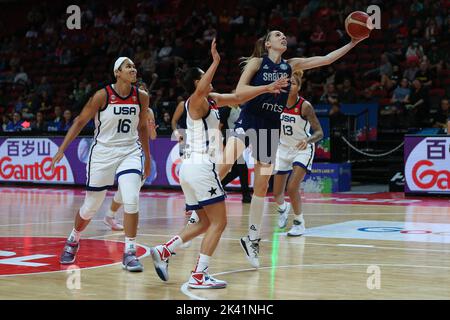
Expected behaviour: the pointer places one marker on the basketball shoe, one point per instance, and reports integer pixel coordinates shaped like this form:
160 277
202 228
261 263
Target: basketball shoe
283 215
131 263
251 249
298 227
202 280
160 256
112 223
69 253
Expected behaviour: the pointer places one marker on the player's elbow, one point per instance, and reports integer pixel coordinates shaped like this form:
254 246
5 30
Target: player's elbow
239 90
326 60
238 98
320 135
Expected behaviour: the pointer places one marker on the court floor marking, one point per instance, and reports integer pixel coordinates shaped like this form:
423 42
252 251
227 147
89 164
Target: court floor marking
306 200
234 215
146 254
185 288
315 243
121 234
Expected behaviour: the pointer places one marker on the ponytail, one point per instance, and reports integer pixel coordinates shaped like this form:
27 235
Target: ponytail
258 51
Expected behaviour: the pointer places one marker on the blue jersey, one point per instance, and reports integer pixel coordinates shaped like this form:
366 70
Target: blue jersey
269 105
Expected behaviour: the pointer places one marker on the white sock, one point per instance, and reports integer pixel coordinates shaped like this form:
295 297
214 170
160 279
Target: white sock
256 215
283 206
202 263
173 243
111 214
130 244
194 217
299 218
74 236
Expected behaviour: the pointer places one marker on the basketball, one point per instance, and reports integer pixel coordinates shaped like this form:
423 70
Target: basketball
358 25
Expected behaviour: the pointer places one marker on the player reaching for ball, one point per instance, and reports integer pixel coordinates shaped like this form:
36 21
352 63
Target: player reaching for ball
198 177
259 121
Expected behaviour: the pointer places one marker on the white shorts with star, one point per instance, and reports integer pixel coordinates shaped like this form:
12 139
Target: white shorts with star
200 181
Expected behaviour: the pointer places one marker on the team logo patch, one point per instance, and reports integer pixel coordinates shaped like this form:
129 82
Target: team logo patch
29 255
283 66
113 97
134 99
296 110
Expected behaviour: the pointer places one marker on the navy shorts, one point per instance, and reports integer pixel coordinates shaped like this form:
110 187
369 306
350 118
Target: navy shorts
262 134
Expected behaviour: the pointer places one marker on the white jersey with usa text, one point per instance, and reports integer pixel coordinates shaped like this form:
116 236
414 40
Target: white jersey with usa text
117 123
294 127
203 135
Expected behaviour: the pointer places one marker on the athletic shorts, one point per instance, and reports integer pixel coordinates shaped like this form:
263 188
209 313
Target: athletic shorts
106 163
288 157
261 133
200 181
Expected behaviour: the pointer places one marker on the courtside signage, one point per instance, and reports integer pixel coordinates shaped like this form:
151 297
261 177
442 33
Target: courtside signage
427 164
29 160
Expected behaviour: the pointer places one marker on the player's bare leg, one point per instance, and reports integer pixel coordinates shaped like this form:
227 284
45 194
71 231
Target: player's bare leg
233 150
250 243
293 191
279 185
91 204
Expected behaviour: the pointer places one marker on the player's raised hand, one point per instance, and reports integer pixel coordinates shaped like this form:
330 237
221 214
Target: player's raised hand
277 86
214 53
356 41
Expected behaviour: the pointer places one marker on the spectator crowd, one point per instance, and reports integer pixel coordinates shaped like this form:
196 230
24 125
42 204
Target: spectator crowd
47 71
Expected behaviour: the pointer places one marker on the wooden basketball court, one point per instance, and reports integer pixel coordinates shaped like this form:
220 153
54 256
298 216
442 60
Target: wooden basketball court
357 247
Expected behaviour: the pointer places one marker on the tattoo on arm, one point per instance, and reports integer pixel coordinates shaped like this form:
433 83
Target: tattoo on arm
308 112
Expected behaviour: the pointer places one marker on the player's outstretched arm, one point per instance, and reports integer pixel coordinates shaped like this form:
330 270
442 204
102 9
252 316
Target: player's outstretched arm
152 124
319 61
175 118
203 87
89 110
310 115
143 131
250 69
249 92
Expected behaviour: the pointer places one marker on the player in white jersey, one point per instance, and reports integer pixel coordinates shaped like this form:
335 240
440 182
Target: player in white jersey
120 144
110 218
198 177
295 154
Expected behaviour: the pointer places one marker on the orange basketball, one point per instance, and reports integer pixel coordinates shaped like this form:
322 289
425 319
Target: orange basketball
358 24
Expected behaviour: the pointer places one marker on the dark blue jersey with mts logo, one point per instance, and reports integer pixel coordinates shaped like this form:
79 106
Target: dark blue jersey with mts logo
269 105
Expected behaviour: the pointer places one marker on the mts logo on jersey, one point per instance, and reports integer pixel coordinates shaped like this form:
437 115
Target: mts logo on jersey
273 107
125 110
273 76
287 118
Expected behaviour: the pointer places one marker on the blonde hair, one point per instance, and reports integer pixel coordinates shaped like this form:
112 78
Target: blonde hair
298 75
259 50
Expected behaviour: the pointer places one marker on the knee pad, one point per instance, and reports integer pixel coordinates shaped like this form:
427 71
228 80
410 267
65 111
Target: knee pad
92 202
130 185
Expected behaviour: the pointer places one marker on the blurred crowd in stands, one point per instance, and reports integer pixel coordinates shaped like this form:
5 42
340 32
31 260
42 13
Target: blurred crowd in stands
47 71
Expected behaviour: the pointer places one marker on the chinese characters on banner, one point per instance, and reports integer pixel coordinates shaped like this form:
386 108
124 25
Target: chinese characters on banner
29 160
